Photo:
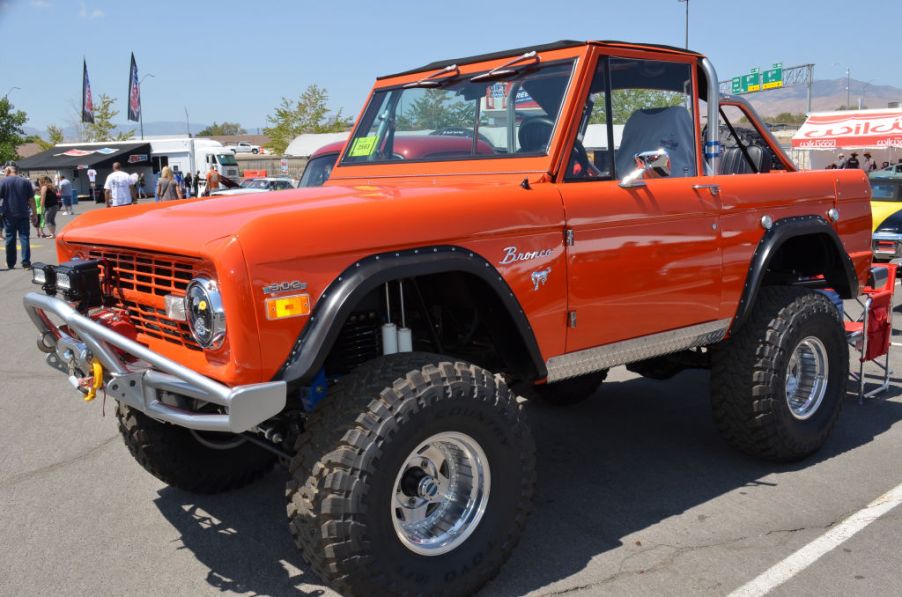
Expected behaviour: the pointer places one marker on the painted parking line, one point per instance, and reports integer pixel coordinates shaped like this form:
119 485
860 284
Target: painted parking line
806 556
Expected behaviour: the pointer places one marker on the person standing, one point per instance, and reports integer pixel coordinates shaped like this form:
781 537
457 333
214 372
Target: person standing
37 211
15 197
852 162
118 188
66 193
188 181
870 164
213 179
50 204
840 162
167 187
196 183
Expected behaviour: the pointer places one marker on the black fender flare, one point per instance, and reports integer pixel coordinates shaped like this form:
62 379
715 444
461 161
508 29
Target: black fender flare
846 283
341 296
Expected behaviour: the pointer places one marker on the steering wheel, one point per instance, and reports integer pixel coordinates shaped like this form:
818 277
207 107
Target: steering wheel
581 158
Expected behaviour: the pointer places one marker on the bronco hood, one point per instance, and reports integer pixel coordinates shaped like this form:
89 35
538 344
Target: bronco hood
186 227
321 220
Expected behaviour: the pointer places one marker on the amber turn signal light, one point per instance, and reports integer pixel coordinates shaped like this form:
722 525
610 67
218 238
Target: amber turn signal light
283 307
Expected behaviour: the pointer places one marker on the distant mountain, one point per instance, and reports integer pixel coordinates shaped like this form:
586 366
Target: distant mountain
151 129
825 95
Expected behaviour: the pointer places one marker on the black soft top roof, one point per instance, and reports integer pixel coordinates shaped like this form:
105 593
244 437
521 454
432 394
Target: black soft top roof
557 45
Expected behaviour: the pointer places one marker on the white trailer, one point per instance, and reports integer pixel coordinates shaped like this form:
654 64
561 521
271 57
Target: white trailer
194 155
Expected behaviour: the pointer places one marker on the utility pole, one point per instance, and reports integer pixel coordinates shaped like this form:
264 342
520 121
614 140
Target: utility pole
810 84
848 87
687 21
187 122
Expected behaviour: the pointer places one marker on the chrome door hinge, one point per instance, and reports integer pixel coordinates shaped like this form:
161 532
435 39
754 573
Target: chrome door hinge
568 237
571 319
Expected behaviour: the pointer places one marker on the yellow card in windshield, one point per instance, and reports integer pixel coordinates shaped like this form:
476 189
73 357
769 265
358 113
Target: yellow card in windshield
363 146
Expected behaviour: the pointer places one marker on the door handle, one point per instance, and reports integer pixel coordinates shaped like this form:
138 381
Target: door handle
713 188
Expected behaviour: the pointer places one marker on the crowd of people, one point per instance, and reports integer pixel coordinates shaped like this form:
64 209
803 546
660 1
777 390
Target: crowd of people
868 163
26 203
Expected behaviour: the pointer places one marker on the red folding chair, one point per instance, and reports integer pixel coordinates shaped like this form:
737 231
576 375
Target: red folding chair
872 333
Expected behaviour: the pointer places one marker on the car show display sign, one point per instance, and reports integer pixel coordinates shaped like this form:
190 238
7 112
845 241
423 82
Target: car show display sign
850 129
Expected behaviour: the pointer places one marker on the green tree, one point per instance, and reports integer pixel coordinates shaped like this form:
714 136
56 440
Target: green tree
787 118
436 109
221 130
307 114
626 101
54 137
11 133
102 129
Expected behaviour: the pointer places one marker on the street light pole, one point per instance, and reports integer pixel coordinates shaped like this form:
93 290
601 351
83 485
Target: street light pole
687 21
848 87
141 111
11 89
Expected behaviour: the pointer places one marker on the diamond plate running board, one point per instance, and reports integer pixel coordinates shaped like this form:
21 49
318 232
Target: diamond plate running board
589 360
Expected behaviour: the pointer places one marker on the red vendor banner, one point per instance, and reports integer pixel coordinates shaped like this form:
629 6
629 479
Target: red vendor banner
850 129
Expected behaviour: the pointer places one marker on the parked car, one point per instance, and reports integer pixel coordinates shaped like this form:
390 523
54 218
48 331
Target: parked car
886 209
257 185
408 147
320 164
244 147
381 332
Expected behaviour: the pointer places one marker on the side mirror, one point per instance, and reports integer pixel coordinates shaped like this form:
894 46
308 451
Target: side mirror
649 164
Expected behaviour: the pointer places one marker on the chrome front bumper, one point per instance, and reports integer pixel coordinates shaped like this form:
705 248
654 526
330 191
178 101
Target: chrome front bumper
887 245
139 384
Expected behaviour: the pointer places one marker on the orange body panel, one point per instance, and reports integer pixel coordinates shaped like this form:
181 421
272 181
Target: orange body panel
645 260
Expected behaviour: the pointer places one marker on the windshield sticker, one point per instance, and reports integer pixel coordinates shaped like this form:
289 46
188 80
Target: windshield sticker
363 146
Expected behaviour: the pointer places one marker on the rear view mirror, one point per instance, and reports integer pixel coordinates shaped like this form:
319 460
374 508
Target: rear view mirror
649 164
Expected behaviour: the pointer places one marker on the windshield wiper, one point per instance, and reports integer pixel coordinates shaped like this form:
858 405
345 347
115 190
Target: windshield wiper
433 80
505 69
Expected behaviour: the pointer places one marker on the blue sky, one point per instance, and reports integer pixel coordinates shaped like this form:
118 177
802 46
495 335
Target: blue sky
231 60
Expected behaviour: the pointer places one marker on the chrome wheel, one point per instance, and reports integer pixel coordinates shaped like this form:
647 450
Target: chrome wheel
806 378
440 493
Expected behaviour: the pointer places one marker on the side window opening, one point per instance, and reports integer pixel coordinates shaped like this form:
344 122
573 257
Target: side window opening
745 151
635 106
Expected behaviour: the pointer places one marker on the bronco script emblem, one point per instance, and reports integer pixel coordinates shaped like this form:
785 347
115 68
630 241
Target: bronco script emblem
511 255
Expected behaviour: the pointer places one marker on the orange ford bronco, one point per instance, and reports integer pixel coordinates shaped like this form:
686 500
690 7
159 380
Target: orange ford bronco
505 225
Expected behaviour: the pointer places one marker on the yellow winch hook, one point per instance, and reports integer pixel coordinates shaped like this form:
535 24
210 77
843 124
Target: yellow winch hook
98 380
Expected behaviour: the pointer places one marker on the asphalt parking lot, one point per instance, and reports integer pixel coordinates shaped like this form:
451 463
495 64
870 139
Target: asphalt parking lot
637 495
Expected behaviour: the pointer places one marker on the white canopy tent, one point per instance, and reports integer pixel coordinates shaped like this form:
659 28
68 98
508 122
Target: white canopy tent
825 135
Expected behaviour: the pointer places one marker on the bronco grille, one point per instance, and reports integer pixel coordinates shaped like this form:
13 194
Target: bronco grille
141 281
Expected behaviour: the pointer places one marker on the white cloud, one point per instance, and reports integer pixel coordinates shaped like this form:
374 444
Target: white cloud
40 3
88 13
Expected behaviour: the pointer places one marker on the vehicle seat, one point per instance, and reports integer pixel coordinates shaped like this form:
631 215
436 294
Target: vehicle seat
655 128
534 134
734 162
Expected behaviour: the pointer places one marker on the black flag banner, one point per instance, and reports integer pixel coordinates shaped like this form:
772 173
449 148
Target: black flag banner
87 102
134 92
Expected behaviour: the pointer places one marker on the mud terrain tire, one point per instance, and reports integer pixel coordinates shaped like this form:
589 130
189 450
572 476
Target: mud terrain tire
173 455
751 392
343 491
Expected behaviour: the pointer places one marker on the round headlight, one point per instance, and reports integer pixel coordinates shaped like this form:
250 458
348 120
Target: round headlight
203 309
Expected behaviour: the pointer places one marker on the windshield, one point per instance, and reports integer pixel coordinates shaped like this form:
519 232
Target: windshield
461 119
318 170
226 159
885 190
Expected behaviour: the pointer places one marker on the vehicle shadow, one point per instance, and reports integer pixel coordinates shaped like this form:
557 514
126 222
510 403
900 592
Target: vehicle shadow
242 538
635 454
632 456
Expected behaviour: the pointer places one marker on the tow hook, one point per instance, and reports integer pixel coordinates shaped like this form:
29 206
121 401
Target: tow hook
47 342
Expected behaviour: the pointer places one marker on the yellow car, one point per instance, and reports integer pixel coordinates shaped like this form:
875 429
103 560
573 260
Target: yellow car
886 210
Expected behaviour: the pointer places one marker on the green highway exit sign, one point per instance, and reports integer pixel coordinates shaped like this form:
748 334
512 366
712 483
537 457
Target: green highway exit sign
757 80
773 78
